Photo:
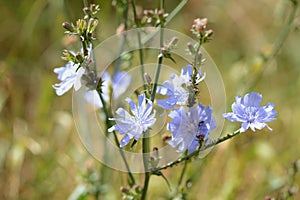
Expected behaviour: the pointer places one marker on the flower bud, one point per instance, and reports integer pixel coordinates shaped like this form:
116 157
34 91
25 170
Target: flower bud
92 24
148 78
87 11
166 137
199 57
209 33
200 24
68 26
124 189
137 188
81 26
173 42
191 48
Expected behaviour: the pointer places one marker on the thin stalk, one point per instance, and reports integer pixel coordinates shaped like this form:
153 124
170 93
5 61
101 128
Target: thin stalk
146 150
187 157
160 57
182 173
146 141
85 3
116 140
141 56
195 64
124 38
278 43
160 60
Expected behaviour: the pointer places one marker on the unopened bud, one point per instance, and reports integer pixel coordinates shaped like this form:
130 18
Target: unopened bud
89 165
81 26
137 188
173 41
160 13
87 11
191 48
199 57
68 26
209 33
155 153
296 165
69 56
148 12
124 189
199 25
166 137
148 78
92 25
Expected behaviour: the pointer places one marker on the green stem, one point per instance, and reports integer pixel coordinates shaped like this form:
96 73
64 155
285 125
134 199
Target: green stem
195 64
146 141
160 60
278 43
141 56
124 38
195 153
146 150
182 173
85 3
131 177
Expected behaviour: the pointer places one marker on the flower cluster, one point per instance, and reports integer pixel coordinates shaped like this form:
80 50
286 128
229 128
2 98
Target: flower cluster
190 122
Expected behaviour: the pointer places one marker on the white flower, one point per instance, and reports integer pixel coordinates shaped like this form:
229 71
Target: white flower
69 75
133 126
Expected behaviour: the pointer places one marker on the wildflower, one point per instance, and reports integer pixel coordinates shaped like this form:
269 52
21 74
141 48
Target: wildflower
190 128
177 88
133 126
69 75
248 111
120 83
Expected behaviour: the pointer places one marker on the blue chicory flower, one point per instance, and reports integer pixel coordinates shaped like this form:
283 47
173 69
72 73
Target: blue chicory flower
133 126
120 83
190 128
69 75
177 88
248 111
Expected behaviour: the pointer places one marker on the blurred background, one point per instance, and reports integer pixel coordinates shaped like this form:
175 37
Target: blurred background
41 156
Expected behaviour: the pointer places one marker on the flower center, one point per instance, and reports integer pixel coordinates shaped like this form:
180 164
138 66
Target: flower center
251 114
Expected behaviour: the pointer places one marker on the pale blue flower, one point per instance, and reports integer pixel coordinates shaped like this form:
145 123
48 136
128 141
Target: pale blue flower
177 89
120 83
69 75
248 111
135 124
190 128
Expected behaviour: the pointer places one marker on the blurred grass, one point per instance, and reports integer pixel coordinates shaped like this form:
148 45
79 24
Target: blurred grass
40 153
